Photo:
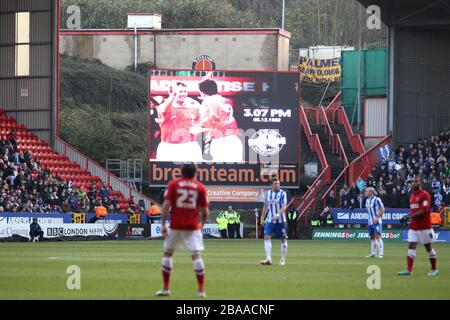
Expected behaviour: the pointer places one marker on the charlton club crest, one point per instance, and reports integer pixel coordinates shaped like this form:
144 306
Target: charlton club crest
203 63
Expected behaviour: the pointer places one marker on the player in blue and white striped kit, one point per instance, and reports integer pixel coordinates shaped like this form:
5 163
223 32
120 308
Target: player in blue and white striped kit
375 210
273 219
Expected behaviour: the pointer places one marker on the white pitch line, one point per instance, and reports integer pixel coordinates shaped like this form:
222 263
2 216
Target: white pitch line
101 259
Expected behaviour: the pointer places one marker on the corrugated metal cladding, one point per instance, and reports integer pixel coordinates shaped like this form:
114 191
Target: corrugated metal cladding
41 30
33 120
8 93
41 60
8 5
375 117
30 99
7 27
30 5
43 135
25 5
7 54
422 84
38 95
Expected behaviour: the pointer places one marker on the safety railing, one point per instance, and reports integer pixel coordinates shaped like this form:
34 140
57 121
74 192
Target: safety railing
343 177
362 166
325 176
332 107
335 108
313 139
310 197
355 139
95 169
338 148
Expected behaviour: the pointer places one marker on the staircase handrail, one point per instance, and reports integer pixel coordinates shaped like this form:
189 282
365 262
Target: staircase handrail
362 166
337 148
355 139
332 107
313 139
324 177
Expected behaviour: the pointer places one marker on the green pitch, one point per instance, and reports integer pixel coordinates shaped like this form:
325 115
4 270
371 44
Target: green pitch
131 270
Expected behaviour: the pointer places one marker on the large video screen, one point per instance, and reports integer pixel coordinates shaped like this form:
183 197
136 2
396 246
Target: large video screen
241 127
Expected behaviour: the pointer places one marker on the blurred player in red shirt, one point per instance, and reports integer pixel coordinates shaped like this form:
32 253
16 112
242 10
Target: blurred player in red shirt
420 228
176 115
187 198
218 122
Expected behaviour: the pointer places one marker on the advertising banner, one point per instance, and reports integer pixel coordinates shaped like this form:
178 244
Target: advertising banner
209 229
242 127
320 70
110 218
360 216
229 194
440 235
353 234
134 231
55 230
27 218
79 218
447 217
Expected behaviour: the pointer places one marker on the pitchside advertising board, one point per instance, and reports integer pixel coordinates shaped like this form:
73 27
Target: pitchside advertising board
27 218
352 234
47 218
363 234
209 230
241 127
360 216
56 230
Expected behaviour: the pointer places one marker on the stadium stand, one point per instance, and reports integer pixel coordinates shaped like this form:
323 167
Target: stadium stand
427 158
347 169
36 179
389 176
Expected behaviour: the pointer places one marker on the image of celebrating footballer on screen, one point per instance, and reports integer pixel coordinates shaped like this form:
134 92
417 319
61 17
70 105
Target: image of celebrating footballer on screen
197 129
222 117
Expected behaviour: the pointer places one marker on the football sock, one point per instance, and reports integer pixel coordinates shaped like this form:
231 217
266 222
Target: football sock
410 259
432 256
166 267
373 247
199 268
283 250
268 248
380 247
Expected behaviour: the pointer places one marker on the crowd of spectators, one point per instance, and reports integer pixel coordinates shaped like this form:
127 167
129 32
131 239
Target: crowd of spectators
26 187
426 158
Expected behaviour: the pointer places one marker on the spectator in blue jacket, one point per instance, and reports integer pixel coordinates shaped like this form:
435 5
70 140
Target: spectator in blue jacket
104 191
360 184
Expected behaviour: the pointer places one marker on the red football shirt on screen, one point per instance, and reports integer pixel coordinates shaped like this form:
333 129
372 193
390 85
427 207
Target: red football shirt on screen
176 121
219 116
186 197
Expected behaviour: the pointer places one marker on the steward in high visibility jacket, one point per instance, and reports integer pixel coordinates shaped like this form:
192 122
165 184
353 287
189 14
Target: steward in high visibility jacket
100 213
292 216
237 224
229 215
222 224
153 213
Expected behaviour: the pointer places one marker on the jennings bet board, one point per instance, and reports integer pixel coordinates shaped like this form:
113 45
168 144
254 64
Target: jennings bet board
241 127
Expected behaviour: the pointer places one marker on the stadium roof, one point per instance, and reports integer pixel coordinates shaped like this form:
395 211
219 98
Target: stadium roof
413 13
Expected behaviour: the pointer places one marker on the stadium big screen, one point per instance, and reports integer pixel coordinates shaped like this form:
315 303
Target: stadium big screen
241 127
